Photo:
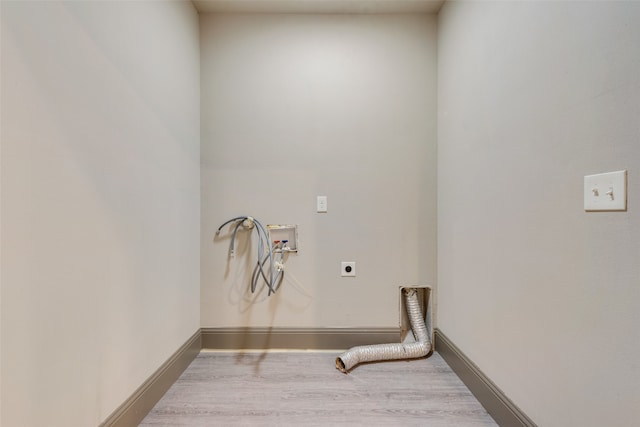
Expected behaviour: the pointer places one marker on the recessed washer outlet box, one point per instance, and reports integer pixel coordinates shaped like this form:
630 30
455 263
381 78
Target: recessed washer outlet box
284 232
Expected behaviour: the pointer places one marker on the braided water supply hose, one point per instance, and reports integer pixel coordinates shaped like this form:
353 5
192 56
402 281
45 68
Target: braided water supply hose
374 353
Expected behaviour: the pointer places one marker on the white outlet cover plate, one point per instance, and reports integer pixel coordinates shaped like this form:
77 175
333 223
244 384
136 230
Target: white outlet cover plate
343 269
606 191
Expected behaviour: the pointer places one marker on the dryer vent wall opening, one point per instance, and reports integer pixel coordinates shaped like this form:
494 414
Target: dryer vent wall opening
374 353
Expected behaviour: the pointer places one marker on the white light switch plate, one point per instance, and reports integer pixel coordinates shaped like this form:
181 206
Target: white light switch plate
606 191
321 204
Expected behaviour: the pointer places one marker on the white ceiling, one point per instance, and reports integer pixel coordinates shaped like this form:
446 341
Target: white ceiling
318 6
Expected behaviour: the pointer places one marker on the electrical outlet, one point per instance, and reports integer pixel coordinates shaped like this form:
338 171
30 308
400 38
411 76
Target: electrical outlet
348 269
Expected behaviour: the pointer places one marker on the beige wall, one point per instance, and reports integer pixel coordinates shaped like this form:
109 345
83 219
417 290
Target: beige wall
295 106
100 202
542 296
101 205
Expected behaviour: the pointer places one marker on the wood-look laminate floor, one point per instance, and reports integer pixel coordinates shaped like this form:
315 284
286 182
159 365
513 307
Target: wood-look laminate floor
305 389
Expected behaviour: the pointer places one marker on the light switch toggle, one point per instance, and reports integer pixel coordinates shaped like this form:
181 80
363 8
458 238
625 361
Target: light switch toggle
595 192
610 193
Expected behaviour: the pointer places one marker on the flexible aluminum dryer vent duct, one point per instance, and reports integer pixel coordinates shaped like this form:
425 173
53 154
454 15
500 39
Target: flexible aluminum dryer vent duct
374 353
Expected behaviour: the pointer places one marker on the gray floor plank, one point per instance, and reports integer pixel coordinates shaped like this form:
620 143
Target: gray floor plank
304 388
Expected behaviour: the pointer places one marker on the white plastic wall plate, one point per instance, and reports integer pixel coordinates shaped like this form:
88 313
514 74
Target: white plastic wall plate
348 269
606 191
321 204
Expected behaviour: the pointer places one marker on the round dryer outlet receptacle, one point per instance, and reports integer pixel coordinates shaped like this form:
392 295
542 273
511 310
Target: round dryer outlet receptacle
348 269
